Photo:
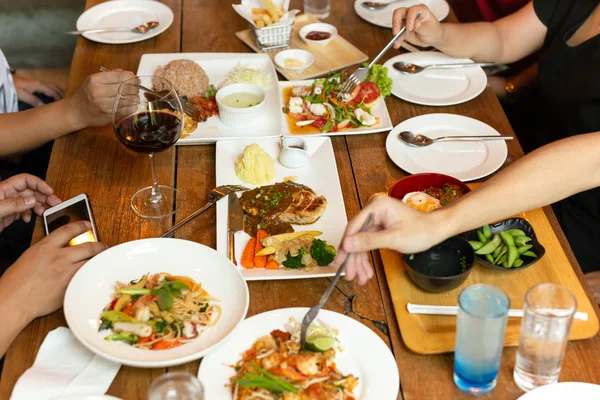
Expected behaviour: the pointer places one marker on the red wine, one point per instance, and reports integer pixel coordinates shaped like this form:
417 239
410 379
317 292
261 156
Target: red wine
149 132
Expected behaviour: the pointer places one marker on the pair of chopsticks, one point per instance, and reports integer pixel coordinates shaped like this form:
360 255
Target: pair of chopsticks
453 310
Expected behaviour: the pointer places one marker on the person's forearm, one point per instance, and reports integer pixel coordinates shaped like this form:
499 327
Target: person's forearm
15 317
27 130
545 176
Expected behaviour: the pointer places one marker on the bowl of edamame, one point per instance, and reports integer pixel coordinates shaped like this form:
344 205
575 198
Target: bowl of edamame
508 245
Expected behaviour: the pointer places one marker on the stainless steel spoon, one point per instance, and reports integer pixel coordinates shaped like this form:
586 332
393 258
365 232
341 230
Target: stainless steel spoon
376 6
418 140
148 26
408 68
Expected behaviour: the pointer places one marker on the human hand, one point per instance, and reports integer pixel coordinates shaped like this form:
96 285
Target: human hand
593 280
424 31
22 194
41 275
27 87
395 226
93 100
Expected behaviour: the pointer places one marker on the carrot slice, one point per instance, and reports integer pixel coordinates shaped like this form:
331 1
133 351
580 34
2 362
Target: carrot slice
128 308
260 261
272 264
248 255
164 345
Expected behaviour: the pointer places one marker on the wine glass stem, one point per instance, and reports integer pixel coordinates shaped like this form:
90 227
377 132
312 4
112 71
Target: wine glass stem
155 197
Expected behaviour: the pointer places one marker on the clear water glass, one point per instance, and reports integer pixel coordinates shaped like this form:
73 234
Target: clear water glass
480 328
318 8
176 386
545 327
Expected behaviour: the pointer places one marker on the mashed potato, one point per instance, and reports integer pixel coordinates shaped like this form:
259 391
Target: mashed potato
255 167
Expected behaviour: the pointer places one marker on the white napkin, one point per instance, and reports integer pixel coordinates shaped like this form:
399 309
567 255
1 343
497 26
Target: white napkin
62 367
245 11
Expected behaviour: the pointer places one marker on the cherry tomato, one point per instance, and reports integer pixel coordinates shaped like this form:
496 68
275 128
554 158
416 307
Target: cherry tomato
369 92
319 123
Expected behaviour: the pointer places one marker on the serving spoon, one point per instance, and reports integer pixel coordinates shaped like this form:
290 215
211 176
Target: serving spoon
418 140
375 5
409 68
145 27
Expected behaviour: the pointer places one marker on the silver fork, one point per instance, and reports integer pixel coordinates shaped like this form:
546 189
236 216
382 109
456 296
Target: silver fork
215 195
360 74
312 313
187 105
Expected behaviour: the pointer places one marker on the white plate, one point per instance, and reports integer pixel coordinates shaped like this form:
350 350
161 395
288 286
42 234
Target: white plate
88 397
383 18
564 390
466 161
129 13
436 87
320 174
92 286
217 65
380 110
365 355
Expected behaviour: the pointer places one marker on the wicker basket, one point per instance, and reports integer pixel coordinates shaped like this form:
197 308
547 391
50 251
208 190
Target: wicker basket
273 37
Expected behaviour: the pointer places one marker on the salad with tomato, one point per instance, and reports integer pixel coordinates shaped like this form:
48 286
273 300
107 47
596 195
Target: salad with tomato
319 107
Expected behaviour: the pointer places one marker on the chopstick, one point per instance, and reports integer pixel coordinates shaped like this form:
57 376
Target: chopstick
453 310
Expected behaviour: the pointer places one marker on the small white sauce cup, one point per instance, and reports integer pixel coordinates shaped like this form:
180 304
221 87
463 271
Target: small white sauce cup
240 118
293 153
303 56
321 27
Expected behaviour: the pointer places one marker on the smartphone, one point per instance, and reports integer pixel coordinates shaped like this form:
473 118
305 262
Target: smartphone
73 210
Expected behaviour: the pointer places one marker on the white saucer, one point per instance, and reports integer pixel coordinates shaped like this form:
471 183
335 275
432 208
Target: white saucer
383 18
466 161
129 13
564 390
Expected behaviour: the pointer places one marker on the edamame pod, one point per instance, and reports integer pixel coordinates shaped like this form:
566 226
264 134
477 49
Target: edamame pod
490 246
487 232
489 258
513 254
515 232
525 248
522 240
505 264
475 244
503 258
482 237
530 254
518 263
496 252
502 252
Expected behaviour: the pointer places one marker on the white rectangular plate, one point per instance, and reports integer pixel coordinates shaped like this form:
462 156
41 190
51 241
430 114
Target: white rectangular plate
380 110
217 65
320 174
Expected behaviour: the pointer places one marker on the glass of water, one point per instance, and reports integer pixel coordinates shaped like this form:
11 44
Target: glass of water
318 8
176 386
480 328
548 313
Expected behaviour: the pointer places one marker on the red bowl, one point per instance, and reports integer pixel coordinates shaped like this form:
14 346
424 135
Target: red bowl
420 182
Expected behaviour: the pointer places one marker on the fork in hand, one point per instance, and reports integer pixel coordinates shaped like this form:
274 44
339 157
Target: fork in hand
215 195
187 105
312 313
361 74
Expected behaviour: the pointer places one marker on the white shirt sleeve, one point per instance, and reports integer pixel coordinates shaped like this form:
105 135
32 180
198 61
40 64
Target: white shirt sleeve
8 93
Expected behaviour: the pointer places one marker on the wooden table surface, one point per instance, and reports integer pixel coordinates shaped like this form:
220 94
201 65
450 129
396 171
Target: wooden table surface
93 162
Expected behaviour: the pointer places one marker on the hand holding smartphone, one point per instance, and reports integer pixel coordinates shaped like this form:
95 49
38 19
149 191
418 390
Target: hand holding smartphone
76 209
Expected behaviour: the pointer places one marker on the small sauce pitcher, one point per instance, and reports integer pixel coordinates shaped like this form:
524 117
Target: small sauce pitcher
293 154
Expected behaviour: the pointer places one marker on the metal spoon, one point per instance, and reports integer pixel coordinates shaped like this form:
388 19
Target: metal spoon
418 140
376 6
148 26
408 68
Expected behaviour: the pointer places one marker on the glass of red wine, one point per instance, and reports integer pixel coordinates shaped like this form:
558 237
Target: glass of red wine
149 122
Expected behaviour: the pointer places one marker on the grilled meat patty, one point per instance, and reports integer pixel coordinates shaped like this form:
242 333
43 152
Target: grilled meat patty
285 202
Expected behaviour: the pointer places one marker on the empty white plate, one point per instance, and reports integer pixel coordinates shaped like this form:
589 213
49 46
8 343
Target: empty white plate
436 87
383 17
466 161
128 13
564 390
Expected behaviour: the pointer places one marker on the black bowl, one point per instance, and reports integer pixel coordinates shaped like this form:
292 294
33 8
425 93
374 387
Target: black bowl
443 267
513 223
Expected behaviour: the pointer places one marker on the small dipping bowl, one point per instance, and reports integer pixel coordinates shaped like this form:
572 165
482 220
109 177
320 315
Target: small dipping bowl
293 153
303 56
442 268
318 27
240 118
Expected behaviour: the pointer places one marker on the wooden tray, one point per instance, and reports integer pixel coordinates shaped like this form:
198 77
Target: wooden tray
432 334
336 55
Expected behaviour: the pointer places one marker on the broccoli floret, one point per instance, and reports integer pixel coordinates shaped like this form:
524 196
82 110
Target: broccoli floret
294 262
322 252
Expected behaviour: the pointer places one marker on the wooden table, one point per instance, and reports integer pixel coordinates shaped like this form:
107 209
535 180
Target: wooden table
93 162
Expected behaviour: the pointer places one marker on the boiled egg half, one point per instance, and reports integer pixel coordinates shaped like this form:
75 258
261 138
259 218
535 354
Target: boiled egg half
421 201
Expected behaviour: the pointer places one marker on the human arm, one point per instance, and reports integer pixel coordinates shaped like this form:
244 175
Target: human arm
90 105
28 87
35 284
521 83
502 42
544 176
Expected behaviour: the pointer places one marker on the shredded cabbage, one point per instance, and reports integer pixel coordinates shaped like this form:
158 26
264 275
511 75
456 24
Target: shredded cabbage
242 74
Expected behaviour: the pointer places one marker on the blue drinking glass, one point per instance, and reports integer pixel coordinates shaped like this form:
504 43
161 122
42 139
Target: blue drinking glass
480 328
